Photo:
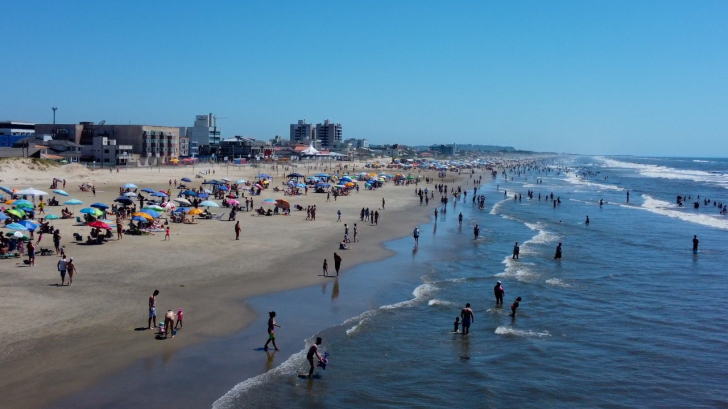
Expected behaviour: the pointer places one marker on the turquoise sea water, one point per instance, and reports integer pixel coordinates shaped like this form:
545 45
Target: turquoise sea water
630 317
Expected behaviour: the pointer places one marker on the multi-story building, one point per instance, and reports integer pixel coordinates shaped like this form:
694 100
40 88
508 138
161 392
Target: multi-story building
184 146
241 147
205 131
357 143
12 131
328 134
154 144
105 151
302 132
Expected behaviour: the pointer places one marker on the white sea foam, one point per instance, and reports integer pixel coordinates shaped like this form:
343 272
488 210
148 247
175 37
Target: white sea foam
665 172
421 292
231 399
520 270
436 301
520 333
702 161
557 283
576 180
497 206
671 210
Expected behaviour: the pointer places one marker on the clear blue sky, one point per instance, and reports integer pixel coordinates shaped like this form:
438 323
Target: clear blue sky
604 77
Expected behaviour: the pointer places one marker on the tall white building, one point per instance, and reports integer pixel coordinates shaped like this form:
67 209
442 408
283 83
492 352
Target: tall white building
328 134
205 131
302 132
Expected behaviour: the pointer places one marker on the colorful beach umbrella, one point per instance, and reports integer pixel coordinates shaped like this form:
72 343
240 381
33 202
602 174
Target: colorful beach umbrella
194 212
209 203
144 215
22 202
100 206
151 212
154 207
139 219
60 192
16 226
52 217
99 225
15 212
92 211
73 202
129 186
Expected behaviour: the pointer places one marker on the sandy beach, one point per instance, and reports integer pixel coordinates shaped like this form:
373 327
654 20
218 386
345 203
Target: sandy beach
59 340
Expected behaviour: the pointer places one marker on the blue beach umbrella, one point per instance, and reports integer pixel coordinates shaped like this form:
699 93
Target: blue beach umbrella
189 193
225 188
31 226
129 186
3 216
91 211
186 180
241 181
16 226
100 206
322 175
151 212
265 176
49 217
124 200
209 203
148 190
139 219
159 194
73 202
22 202
6 190
203 195
60 192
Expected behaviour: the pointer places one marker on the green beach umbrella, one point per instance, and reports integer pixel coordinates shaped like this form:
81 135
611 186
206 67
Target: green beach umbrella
52 217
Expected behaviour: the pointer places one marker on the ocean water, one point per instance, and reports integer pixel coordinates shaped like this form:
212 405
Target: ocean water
630 317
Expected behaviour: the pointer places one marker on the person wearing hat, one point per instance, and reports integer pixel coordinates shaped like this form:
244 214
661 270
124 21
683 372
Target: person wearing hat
499 292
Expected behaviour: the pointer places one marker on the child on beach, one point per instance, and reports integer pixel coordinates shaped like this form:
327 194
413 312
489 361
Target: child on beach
271 330
166 235
514 307
326 267
180 319
456 324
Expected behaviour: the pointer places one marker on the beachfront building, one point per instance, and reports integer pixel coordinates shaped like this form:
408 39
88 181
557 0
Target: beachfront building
107 152
329 134
303 132
13 131
205 131
242 147
184 146
354 143
155 145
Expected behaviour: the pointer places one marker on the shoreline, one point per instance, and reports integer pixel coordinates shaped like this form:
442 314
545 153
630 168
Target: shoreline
97 353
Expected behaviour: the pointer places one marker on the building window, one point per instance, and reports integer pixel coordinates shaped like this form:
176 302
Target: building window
106 151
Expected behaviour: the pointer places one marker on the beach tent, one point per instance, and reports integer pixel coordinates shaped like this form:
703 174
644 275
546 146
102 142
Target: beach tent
310 150
31 192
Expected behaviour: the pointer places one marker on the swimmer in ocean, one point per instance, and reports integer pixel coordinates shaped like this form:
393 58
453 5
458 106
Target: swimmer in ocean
514 307
557 256
516 251
456 324
460 218
476 231
313 351
587 220
468 317
499 292
695 243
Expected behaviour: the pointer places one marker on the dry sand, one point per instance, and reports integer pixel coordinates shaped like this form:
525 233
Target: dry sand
56 340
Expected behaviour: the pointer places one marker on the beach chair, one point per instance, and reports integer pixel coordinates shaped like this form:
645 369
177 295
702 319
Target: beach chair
219 217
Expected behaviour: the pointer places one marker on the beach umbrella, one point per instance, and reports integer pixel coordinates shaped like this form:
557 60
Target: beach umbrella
6 189
301 185
269 201
151 212
189 193
350 184
22 202
130 194
31 192
322 175
324 185
18 235
258 186
168 206
100 206
154 207
99 225
264 176
225 188
203 195
295 175
211 182
186 180
16 226
233 202
159 194
194 212
129 186
30 225
73 202
183 209
15 212
52 217
283 204
148 190
241 181
346 179
183 201
144 215
226 179
209 203
3 216
60 192
139 219
92 211
124 200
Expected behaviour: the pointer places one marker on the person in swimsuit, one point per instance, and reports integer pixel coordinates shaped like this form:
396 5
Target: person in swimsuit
416 235
499 293
460 218
476 231
169 323
695 243
62 265
516 251
468 317
71 267
153 309
271 330
514 307
456 324
557 256
313 351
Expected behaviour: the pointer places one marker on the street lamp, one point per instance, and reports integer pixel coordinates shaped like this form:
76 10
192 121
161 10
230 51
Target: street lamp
54 114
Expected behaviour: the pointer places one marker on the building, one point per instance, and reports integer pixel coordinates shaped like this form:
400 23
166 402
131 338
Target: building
357 143
241 147
184 146
446 150
328 134
302 132
106 151
205 131
12 131
154 144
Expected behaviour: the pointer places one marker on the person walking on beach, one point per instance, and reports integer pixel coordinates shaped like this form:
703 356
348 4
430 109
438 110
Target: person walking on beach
71 268
516 251
382 203
62 266
514 307
237 230
31 254
466 314
326 267
337 263
313 351
499 293
57 240
153 309
166 234
338 213
119 230
416 235
271 330
557 256
695 243
356 230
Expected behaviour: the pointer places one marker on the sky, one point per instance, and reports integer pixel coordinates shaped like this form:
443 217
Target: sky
591 77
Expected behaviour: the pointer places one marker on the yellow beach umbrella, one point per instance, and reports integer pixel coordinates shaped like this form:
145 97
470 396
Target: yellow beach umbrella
195 212
144 215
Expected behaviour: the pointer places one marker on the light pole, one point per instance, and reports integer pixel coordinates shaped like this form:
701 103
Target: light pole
54 114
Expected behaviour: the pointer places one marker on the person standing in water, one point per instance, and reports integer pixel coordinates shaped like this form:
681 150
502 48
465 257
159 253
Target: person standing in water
557 256
416 235
695 243
587 220
476 231
271 330
313 351
516 251
514 307
499 293
460 218
468 317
